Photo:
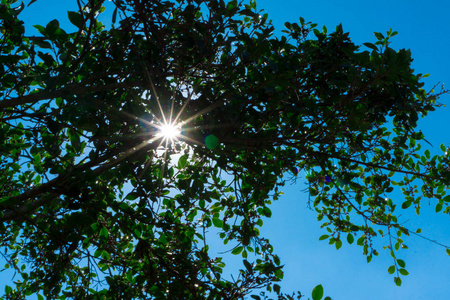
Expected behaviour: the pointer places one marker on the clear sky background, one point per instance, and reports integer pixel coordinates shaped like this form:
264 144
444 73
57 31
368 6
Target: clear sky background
423 28
293 229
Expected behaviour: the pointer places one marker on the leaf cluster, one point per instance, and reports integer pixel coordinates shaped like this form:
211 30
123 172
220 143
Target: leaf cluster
97 207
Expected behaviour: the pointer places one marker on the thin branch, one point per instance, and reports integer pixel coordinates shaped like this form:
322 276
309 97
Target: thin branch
60 180
72 89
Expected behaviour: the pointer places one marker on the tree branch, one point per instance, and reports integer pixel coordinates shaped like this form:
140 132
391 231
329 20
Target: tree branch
72 89
60 180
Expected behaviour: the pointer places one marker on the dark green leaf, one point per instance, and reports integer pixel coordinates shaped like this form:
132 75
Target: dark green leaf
438 207
338 244
406 204
103 233
403 272
371 46
267 212
114 15
391 269
350 238
76 19
248 266
43 44
317 292
323 237
401 263
8 289
379 36
237 250
41 29
51 28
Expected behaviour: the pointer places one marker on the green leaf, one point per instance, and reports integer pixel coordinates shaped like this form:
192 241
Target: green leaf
338 244
98 253
163 239
379 35
371 46
51 28
217 222
37 159
43 44
75 18
105 255
398 281
104 233
448 251
350 238
317 292
323 237
427 154
360 241
406 204
267 212
114 15
201 203
182 162
403 272
237 250
391 269
438 207
131 196
8 289
247 265
41 29
129 276
317 33
401 263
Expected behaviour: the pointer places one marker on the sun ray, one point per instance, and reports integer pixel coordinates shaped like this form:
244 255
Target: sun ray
188 99
154 92
203 111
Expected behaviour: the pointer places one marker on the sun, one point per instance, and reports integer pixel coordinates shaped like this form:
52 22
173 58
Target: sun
169 132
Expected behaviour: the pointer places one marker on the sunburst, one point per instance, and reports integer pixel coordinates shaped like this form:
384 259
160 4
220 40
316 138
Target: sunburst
169 132
170 124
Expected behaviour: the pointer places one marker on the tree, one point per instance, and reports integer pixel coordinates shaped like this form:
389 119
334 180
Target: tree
97 203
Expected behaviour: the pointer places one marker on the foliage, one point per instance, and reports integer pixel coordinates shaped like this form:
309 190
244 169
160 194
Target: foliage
95 204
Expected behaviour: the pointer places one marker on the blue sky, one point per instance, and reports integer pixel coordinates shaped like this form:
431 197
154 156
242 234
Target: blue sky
293 229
